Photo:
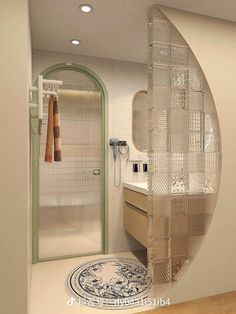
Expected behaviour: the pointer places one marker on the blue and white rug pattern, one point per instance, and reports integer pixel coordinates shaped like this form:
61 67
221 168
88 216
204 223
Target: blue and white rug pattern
110 283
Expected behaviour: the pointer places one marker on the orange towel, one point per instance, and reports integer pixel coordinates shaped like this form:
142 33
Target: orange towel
56 130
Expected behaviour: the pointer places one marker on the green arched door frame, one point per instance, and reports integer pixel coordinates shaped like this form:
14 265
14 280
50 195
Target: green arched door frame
35 161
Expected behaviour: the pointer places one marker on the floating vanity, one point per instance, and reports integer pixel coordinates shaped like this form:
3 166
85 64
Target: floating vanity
135 211
191 223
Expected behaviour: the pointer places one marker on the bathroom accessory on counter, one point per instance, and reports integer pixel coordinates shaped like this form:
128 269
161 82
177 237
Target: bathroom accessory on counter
135 168
45 87
120 149
145 167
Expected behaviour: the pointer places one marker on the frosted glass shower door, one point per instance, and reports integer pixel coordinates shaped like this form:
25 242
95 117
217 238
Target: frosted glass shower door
71 191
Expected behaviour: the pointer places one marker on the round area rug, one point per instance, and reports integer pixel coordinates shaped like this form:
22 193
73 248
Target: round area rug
109 283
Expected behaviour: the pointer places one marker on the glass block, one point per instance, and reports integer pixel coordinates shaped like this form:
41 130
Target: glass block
179 247
161 271
179 142
196 162
161 206
211 143
196 224
161 141
195 121
156 14
194 244
210 122
179 120
196 205
193 63
161 249
161 31
209 103
179 205
196 100
161 162
161 97
178 225
161 76
179 99
178 162
179 78
179 183
150 81
196 182
195 80
160 119
151 142
211 182
161 54
176 37
212 162
160 184
161 227
176 265
209 203
179 56
195 142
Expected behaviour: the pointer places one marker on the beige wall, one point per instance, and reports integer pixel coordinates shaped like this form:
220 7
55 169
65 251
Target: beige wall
213 42
14 156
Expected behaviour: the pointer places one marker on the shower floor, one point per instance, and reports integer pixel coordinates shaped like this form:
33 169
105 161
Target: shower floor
52 245
72 230
48 288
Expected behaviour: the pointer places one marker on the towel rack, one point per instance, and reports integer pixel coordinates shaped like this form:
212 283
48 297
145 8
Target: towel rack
45 88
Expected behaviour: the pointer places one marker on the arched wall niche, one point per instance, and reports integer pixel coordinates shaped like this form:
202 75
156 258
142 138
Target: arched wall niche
184 152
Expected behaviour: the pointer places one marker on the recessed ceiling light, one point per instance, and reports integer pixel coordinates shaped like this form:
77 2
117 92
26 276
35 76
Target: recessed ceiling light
75 41
86 8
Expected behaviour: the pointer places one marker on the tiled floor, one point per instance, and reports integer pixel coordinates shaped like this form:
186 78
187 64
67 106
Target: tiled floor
49 293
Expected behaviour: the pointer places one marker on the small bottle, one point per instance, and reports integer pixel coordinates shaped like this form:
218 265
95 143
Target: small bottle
145 167
135 167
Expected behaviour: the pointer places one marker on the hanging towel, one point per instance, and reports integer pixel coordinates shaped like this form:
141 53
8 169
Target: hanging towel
48 151
56 130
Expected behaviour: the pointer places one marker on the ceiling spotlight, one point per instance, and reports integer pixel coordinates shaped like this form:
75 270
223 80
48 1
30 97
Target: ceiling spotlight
75 41
86 8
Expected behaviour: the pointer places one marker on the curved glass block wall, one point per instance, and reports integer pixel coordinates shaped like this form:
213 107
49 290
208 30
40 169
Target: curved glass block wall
184 153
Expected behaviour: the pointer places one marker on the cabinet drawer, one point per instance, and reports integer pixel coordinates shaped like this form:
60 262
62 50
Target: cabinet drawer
136 223
137 199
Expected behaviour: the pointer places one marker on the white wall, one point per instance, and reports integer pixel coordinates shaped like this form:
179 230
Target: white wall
214 45
122 80
14 157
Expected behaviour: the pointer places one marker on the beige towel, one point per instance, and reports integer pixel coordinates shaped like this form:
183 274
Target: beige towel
56 130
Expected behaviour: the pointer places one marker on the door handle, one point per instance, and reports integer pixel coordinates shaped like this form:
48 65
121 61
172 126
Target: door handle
96 172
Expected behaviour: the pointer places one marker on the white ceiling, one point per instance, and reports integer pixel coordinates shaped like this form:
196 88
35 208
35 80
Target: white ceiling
116 29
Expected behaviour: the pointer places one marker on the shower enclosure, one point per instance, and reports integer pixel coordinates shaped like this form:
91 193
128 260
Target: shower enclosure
69 202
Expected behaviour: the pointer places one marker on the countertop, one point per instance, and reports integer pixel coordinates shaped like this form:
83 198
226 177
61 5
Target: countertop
140 187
